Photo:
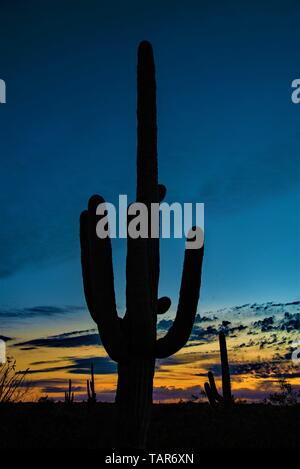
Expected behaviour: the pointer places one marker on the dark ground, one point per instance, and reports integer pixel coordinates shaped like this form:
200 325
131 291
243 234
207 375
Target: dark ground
174 426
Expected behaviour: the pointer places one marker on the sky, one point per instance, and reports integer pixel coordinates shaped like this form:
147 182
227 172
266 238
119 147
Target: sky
228 137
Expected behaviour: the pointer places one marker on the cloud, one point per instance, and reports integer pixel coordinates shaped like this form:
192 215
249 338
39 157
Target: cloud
199 318
274 369
262 342
179 359
61 389
102 366
74 333
210 332
261 326
57 385
163 393
164 324
46 362
67 340
239 328
38 311
206 334
266 324
274 170
290 322
251 343
6 339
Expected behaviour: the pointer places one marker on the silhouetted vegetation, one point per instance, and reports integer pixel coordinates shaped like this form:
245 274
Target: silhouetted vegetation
173 426
69 395
131 341
90 384
12 383
214 397
287 396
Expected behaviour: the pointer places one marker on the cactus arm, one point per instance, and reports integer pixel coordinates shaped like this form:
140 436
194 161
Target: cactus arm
85 263
162 190
92 380
209 395
93 383
211 391
213 388
163 305
101 266
97 272
226 384
88 390
179 332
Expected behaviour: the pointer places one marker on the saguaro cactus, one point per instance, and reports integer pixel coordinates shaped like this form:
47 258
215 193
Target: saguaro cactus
90 384
132 341
69 395
210 388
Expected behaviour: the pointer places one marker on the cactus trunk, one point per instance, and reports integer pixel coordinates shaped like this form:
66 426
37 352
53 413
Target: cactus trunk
212 394
135 374
90 386
226 384
134 402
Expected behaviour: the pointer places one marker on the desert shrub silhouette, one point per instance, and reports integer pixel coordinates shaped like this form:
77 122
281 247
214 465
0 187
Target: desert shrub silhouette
13 387
132 341
287 395
214 397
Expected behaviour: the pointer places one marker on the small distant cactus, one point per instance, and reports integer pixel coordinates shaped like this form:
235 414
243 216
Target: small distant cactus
214 397
90 385
69 395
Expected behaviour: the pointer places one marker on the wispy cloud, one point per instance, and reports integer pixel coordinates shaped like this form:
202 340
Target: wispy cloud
80 366
66 340
260 337
38 311
163 393
5 338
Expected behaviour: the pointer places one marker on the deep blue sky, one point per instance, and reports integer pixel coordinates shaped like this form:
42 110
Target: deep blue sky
228 136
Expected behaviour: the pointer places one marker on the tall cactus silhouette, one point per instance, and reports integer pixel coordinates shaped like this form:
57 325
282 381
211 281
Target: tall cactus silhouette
212 393
131 341
90 385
